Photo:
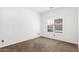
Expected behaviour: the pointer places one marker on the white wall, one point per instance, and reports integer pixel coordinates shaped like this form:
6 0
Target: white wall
69 16
18 24
78 28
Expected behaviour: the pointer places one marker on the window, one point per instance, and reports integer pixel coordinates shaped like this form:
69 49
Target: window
55 25
50 26
58 23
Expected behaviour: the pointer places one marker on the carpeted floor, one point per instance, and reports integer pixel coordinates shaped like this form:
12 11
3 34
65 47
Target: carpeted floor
41 44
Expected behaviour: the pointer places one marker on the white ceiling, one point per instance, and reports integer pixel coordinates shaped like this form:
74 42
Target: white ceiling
41 9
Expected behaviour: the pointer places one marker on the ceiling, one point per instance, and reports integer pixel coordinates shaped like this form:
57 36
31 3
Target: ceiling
42 9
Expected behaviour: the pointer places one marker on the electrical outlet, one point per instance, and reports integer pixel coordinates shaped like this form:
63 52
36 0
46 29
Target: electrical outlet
2 41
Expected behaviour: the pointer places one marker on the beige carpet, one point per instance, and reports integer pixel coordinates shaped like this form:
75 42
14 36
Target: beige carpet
41 44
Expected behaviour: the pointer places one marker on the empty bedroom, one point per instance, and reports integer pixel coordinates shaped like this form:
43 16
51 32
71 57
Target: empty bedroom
39 29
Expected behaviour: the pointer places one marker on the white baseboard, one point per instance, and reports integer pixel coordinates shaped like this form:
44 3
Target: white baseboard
59 39
11 43
25 39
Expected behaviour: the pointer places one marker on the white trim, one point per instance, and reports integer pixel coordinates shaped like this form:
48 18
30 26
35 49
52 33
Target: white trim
22 40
